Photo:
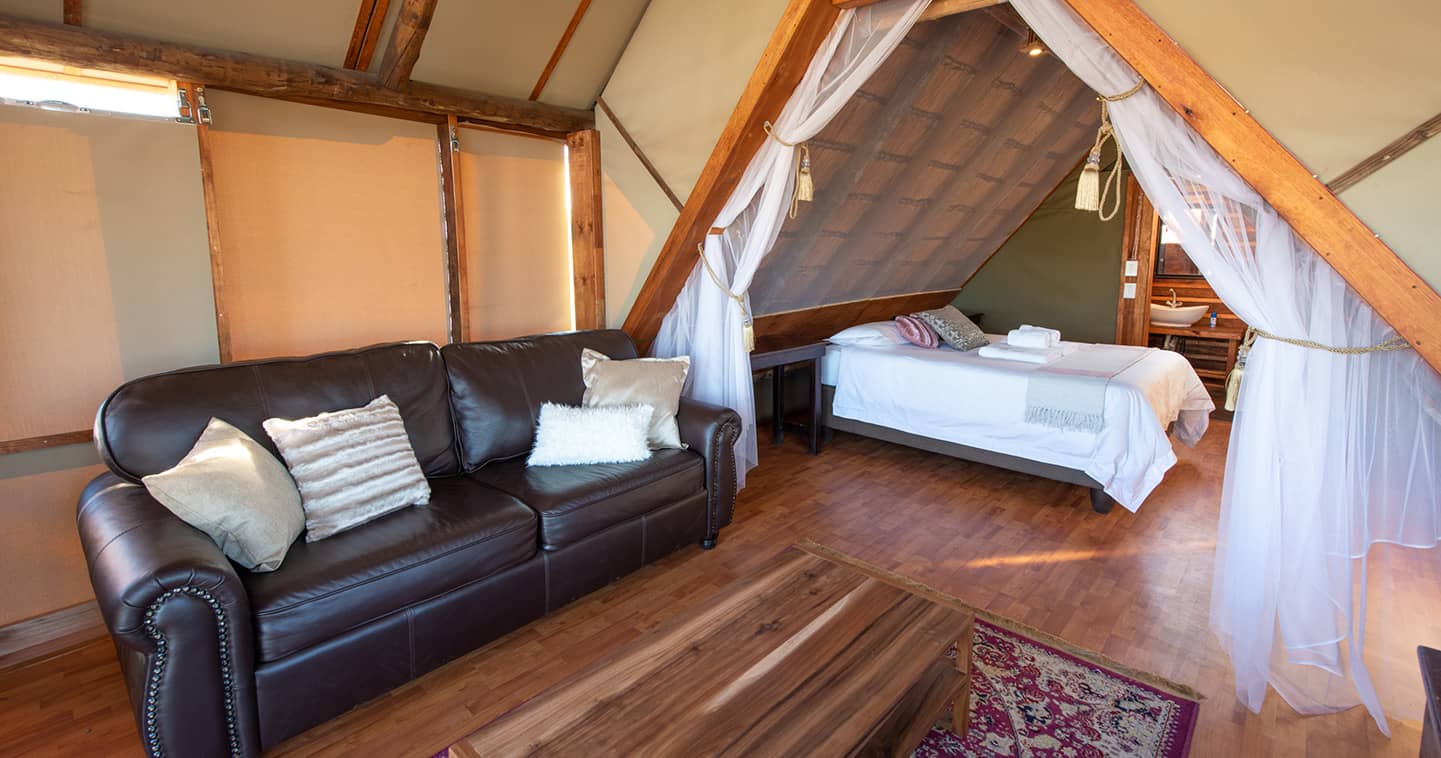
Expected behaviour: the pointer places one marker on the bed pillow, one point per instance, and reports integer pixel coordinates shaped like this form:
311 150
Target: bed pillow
652 382
876 333
570 436
234 490
954 328
352 466
917 332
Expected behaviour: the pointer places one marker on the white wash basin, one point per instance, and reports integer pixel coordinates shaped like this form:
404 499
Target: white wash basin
1184 315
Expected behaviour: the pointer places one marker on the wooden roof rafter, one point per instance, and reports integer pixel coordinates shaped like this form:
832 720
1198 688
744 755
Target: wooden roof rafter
366 34
406 39
559 50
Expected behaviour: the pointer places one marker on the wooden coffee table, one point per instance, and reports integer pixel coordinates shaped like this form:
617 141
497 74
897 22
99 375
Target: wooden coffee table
807 656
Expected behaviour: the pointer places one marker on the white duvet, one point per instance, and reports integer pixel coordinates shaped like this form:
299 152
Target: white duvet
963 398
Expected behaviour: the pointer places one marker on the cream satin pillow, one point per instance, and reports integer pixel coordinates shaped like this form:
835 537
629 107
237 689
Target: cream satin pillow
234 490
352 466
656 382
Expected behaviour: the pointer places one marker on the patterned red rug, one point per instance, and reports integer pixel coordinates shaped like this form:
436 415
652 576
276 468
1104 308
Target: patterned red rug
1032 699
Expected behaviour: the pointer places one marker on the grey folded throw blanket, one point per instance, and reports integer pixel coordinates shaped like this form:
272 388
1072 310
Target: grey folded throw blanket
1070 393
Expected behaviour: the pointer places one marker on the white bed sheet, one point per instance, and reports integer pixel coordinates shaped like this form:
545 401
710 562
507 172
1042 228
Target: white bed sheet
963 398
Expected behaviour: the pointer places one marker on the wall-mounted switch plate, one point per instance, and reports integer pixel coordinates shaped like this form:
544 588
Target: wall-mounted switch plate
1130 268
1129 291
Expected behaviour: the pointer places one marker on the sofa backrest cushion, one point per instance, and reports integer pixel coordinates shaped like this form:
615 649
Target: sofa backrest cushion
147 425
497 388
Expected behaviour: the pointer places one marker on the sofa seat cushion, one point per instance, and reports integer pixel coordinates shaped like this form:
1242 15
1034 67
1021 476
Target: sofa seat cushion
467 532
575 502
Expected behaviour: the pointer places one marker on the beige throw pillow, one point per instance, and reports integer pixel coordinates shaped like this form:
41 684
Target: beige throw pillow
234 490
656 382
352 466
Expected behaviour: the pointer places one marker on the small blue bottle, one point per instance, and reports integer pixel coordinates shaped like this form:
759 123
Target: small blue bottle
1213 319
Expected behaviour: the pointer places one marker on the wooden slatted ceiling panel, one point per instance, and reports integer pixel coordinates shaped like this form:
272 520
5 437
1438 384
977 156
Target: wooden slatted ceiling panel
927 171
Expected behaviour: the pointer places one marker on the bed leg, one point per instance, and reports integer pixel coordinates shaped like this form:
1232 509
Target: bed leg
1100 501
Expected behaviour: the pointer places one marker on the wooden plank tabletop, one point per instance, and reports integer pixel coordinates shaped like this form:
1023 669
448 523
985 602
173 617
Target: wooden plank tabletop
1229 333
806 656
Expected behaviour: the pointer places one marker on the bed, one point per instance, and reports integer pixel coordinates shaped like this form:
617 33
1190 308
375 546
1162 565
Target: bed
961 404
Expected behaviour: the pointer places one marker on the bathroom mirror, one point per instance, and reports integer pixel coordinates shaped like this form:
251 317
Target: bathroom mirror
1171 259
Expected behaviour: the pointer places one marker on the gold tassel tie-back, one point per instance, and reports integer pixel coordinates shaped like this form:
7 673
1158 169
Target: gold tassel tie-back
748 330
1233 381
805 189
1091 194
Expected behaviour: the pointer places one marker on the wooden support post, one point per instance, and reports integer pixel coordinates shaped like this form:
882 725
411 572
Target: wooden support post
194 93
72 12
452 219
1138 246
586 230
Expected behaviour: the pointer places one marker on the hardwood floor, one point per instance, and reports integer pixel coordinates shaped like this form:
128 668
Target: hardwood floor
1133 586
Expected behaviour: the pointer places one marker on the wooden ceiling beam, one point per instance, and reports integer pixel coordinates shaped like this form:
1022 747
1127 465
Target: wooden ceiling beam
802 27
1372 268
72 12
559 49
366 34
272 77
406 39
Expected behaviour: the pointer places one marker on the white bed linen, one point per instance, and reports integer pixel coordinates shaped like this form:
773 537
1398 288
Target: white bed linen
963 398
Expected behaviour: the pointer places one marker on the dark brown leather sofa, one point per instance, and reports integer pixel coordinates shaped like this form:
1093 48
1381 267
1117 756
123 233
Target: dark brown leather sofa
219 660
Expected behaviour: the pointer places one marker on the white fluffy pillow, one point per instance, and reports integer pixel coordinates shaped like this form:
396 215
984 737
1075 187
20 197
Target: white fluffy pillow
234 490
567 435
876 333
352 466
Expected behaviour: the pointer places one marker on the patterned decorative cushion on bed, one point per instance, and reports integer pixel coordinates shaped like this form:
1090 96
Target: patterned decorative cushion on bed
917 332
954 328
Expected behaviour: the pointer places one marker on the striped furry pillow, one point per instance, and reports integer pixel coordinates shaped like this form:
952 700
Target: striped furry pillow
917 332
351 466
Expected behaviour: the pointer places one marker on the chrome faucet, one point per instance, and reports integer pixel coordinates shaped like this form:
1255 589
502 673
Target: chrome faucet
1174 302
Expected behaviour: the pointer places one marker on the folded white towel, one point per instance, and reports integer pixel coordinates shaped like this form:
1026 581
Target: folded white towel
1054 333
1031 338
1006 352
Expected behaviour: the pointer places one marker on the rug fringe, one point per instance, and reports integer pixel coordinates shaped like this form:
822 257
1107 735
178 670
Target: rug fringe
1045 638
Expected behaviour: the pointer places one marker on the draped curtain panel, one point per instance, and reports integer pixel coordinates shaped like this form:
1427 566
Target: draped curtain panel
705 322
1330 453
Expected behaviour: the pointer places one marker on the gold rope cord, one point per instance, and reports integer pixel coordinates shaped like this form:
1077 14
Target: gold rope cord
1233 380
1391 345
1086 192
748 333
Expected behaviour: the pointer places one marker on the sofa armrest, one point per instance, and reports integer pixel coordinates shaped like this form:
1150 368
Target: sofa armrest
180 618
712 431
